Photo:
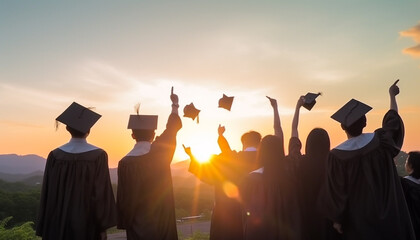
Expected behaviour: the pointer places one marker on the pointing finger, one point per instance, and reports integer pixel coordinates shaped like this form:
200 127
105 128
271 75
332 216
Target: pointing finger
395 83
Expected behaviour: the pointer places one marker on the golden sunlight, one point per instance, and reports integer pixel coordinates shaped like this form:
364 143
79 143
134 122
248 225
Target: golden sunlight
231 190
202 152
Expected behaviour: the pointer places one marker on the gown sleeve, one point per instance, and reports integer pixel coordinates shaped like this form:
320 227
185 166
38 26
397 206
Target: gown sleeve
165 144
223 144
44 193
104 201
206 172
333 201
392 131
127 194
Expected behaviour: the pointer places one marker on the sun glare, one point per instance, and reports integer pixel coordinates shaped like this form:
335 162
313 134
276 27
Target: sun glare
202 152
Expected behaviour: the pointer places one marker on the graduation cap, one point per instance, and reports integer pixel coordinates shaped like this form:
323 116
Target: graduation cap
351 112
78 117
310 100
191 112
143 122
226 102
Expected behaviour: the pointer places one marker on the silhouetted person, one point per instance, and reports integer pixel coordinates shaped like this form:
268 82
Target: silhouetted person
271 209
76 199
364 197
145 198
411 188
226 172
310 168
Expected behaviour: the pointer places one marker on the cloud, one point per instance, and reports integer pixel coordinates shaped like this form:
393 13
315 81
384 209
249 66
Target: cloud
413 33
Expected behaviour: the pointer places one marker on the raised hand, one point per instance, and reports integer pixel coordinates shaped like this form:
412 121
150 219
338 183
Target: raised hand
300 102
187 150
174 97
273 102
394 90
221 130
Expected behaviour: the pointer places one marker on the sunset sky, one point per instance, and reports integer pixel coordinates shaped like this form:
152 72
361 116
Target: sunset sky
113 54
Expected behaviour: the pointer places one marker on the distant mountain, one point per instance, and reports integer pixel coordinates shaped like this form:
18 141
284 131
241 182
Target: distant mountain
21 164
29 169
28 178
178 169
113 173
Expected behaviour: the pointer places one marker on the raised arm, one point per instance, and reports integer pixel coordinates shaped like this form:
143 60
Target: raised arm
174 122
295 121
204 172
221 140
174 99
278 131
394 90
164 145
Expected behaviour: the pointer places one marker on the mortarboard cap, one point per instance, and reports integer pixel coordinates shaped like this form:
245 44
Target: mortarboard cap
142 122
310 100
351 112
226 102
78 117
191 112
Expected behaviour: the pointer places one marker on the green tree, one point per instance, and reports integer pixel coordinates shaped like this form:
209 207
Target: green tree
21 232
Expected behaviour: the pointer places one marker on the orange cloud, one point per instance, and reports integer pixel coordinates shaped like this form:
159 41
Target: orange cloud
413 33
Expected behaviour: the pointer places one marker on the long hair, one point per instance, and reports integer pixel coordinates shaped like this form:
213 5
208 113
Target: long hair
317 144
271 155
316 154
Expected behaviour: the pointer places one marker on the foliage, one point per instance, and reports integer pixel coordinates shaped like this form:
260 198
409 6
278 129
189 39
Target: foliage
22 205
17 186
192 199
400 163
21 232
198 236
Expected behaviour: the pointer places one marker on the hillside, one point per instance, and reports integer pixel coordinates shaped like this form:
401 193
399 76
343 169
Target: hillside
21 164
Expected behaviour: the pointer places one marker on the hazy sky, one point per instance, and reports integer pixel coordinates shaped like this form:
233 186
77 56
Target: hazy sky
113 54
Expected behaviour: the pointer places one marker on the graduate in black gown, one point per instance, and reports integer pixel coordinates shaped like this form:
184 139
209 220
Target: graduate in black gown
311 170
271 209
145 198
411 188
77 201
364 197
226 172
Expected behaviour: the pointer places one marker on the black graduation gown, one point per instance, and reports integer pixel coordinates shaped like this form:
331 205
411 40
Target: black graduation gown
412 196
225 170
311 172
77 201
363 191
145 200
271 210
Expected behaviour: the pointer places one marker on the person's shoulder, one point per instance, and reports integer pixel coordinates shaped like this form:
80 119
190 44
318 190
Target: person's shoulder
95 154
245 153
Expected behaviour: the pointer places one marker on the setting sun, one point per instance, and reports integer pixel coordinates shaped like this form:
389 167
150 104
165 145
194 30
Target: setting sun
202 151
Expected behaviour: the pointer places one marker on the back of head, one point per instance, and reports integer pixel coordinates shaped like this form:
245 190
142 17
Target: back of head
143 135
356 128
414 162
270 155
251 139
75 133
317 144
